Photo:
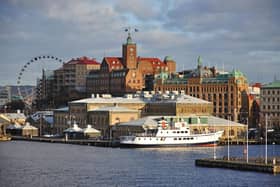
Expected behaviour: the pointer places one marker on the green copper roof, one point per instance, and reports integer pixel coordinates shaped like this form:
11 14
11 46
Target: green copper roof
168 58
236 73
129 39
275 84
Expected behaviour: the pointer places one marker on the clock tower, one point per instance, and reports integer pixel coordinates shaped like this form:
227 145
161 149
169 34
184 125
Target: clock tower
129 53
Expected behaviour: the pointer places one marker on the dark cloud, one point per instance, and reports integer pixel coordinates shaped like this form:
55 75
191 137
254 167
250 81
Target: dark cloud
231 34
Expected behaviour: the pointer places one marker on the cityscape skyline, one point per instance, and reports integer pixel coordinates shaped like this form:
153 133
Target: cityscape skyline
229 35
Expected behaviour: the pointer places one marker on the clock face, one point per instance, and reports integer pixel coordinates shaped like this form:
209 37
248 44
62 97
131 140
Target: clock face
131 49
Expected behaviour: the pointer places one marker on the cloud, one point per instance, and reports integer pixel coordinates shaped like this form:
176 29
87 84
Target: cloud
236 33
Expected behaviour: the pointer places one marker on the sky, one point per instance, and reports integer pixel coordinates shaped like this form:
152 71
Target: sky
239 34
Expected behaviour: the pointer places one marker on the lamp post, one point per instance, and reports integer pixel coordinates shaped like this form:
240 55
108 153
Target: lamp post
214 143
265 138
228 138
247 151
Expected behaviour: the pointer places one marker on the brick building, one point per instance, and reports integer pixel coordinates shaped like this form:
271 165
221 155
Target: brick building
63 84
227 90
128 73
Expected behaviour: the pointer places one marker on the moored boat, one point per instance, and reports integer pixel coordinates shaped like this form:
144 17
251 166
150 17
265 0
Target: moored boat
178 134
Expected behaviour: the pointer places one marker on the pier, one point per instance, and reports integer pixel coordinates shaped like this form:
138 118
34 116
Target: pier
254 164
88 142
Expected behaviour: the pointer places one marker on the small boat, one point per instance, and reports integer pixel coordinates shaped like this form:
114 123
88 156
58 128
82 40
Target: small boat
168 135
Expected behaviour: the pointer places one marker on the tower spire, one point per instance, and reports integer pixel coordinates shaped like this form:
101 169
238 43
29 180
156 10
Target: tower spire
129 38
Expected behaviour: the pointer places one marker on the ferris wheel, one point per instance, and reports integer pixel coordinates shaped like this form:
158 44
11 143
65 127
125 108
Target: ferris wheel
27 94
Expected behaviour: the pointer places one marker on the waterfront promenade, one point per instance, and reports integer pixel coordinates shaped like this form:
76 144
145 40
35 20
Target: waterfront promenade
89 142
253 164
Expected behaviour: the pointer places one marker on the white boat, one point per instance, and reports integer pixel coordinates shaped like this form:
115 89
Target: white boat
166 135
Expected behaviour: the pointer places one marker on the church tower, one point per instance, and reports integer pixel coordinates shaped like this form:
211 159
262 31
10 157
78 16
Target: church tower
129 53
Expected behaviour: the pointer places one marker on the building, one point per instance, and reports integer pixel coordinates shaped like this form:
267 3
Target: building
270 104
254 105
66 83
72 75
5 96
105 111
128 73
225 89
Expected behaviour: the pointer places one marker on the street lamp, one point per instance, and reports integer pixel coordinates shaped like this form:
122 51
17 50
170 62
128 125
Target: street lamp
247 151
265 138
228 137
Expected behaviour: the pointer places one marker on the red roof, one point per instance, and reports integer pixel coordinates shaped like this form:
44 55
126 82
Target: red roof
114 62
83 60
155 62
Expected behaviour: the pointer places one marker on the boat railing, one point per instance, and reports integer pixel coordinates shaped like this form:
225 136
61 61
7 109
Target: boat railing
145 134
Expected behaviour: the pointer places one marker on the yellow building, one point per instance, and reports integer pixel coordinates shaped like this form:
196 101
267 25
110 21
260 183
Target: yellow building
224 89
101 111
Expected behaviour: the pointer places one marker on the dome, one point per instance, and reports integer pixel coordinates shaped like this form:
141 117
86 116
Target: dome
168 58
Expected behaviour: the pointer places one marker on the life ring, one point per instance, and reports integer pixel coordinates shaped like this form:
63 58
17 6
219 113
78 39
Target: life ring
163 124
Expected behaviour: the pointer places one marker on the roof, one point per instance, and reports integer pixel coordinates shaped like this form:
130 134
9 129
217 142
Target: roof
15 115
63 109
114 62
27 126
83 60
155 62
152 121
275 84
75 128
89 129
87 61
14 126
154 99
115 109
146 122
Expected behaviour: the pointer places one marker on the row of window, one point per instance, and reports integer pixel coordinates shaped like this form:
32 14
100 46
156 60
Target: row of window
269 107
273 92
178 132
162 139
273 99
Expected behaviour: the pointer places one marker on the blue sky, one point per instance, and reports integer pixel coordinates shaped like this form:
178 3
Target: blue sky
228 34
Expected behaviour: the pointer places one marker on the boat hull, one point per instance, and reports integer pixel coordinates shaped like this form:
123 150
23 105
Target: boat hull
206 140
122 145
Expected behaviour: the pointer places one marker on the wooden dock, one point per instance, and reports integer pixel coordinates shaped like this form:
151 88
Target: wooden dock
88 142
254 164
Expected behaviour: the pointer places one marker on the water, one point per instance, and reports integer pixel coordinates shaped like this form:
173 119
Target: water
46 164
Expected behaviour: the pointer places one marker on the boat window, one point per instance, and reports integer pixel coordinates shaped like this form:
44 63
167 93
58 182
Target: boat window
185 138
182 131
174 131
186 131
175 138
144 138
180 138
191 138
178 132
161 132
188 138
139 138
150 138
157 139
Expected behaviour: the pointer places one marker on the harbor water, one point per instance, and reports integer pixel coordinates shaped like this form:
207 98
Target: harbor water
51 164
